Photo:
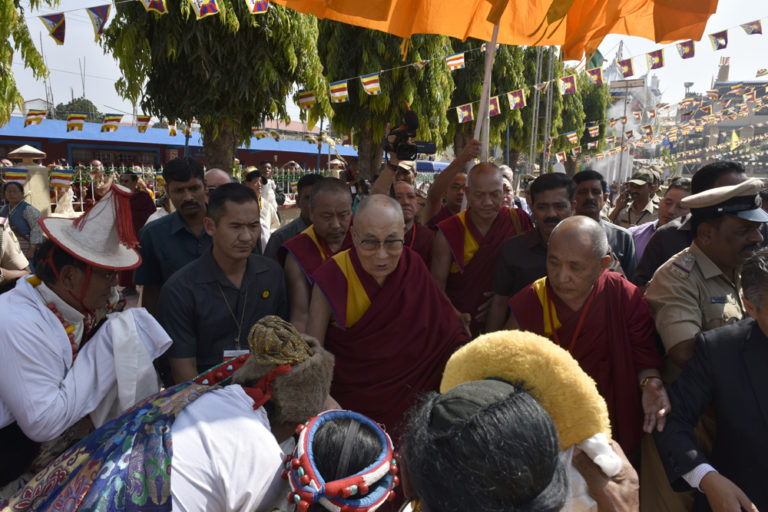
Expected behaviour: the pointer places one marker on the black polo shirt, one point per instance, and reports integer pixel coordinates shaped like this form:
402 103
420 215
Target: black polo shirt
522 260
166 245
195 314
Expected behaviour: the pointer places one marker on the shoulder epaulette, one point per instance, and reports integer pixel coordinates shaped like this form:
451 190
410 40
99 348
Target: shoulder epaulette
3 221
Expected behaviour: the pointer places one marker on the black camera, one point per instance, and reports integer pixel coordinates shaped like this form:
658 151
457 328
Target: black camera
403 145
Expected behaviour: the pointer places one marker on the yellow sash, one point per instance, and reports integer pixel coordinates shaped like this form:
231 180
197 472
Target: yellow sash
540 286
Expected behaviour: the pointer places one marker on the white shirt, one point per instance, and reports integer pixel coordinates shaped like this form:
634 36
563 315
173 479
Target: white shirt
269 193
225 457
40 388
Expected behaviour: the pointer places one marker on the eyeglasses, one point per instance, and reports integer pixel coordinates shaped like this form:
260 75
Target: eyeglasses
373 245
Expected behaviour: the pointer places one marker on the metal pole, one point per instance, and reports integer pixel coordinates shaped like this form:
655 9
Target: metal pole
483 121
508 162
619 173
319 144
545 155
535 112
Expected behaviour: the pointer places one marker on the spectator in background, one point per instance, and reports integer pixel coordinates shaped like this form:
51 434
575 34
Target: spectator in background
300 223
142 206
641 189
209 306
215 178
22 217
417 237
171 242
669 209
272 194
269 219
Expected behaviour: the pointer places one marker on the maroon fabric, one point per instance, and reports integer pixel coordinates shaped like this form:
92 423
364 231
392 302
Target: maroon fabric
398 348
616 341
142 206
440 216
422 242
466 288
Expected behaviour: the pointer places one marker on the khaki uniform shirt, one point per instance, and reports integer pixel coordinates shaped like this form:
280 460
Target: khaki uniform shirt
689 294
628 217
11 257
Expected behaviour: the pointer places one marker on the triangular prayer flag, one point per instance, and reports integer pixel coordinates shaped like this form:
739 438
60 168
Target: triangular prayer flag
464 113
275 135
142 122
568 84
155 5
629 134
651 114
371 84
734 140
612 122
516 99
34 117
99 16
259 133
310 138
648 129
623 119
713 94
656 59
61 178
482 46
307 99
15 175
592 145
455 61
719 40
257 6
596 75
493 107
75 121
761 72
686 49
111 122
560 157
56 26
594 130
572 137
420 64
753 27
172 129
637 114
626 68
750 96
576 150
204 8
339 92
737 89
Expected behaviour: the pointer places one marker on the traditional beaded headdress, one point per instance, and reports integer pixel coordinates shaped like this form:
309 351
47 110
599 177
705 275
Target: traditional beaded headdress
365 491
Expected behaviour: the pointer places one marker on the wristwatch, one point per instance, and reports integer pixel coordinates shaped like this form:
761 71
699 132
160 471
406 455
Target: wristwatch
647 379
2 276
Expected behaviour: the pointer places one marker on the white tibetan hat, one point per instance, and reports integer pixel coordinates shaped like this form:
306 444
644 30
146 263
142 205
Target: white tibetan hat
103 236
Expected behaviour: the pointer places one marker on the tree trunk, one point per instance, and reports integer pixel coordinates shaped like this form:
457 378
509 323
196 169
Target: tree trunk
220 151
571 164
514 157
369 153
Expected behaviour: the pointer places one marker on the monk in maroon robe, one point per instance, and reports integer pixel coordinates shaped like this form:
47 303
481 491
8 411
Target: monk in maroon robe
142 206
391 329
467 245
330 210
418 238
603 321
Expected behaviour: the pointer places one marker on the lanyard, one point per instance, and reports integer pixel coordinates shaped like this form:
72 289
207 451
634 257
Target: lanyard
629 216
239 324
578 325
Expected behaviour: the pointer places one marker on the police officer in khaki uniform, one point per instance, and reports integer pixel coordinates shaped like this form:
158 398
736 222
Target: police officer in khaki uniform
13 263
696 290
642 190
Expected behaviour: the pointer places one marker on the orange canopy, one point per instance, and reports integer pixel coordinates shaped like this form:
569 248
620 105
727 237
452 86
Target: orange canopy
578 26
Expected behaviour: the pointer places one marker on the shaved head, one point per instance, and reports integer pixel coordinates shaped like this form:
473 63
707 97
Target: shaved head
378 235
584 232
485 192
378 206
215 178
484 169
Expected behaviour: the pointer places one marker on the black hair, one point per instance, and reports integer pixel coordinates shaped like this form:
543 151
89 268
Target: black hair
133 175
552 181
589 175
333 185
754 278
265 162
61 258
705 178
183 169
15 184
328 443
234 192
679 183
252 175
308 180
504 457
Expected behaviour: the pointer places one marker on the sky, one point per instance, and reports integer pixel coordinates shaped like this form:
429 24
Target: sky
747 54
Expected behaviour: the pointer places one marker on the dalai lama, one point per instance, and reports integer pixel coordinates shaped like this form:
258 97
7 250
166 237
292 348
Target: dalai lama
330 210
467 245
391 328
603 321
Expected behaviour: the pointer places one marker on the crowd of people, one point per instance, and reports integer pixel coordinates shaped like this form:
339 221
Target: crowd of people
248 326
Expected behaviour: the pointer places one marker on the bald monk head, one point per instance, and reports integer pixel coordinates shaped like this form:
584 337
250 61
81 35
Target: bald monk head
378 235
485 191
215 178
577 254
330 210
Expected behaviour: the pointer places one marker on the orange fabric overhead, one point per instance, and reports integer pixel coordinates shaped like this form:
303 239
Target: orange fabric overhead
577 25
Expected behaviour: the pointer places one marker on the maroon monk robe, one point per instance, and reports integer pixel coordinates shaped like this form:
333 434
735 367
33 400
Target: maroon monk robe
442 214
616 341
420 239
398 348
466 288
142 206
310 250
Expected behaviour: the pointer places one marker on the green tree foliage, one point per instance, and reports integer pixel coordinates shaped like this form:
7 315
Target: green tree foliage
596 99
14 36
230 71
82 105
347 51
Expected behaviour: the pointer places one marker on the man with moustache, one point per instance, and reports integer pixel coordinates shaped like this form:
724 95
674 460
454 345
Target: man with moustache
209 306
523 259
467 245
417 237
588 200
393 329
330 210
642 209
171 242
